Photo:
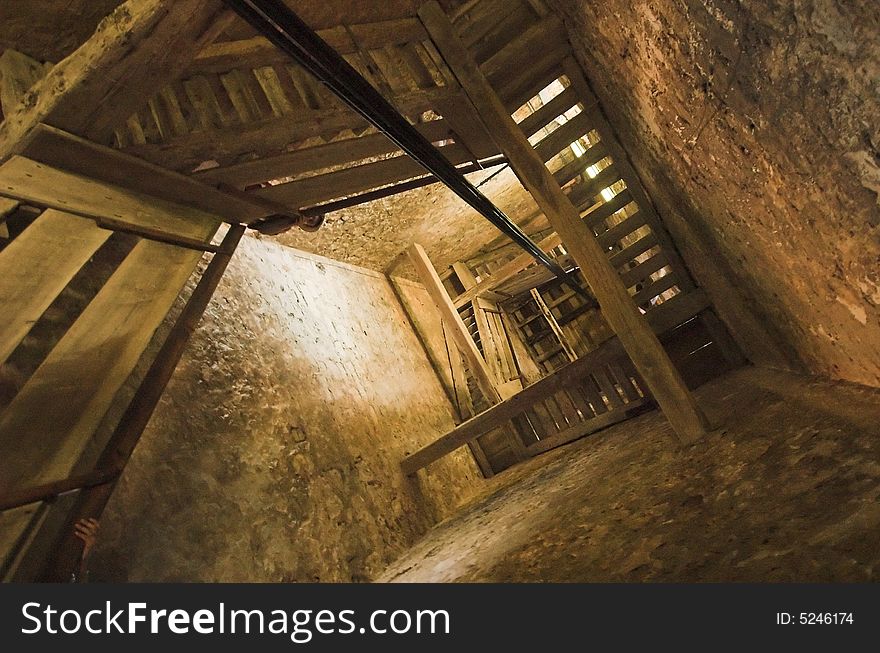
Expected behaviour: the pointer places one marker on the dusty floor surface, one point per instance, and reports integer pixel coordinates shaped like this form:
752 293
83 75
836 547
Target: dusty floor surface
788 489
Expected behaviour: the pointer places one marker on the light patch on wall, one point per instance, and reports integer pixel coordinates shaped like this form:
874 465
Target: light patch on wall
857 311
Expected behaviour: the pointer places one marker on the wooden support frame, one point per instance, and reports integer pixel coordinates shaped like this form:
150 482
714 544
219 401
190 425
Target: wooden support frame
509 409
641 343
130 57
125 437
431 280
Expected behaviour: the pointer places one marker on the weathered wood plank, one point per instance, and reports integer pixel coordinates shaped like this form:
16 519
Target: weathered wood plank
43 185
321 188
502 412
457 330
618 308
35 268
269 136
255 52
59 149
550 111
133 54
298 162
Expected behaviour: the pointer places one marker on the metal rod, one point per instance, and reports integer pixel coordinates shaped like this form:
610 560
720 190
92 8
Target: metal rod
282 27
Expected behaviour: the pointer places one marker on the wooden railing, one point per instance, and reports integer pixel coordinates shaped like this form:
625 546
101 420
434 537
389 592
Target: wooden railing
591 393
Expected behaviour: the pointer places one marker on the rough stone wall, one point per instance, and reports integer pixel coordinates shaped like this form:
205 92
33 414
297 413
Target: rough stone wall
274 454
754 124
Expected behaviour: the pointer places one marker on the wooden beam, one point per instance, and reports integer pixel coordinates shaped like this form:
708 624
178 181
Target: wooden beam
43 185
255 52
327 155
35 268
505 272
321 188
59 149
431 280
271 136
623 316
133 422
502 412
133 53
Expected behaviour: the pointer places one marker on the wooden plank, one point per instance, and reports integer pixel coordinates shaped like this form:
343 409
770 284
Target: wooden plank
677 310
35 268
131 55
583 193
270 135
457 330
298 162
644 269
564 135
537 37
510 408
43 185
623 316
59 149
655 288
579 165
321 188
505 273
240 95
550 111
45 428
621 230
271 85
223 56
583 429
18 73
629 252
554 326
596 218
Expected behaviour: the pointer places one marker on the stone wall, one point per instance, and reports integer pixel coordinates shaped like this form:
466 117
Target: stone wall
274 454
754 125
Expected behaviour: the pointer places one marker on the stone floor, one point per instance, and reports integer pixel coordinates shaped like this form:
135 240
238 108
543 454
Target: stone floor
787 489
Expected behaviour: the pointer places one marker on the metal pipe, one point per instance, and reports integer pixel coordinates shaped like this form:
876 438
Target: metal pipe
282 27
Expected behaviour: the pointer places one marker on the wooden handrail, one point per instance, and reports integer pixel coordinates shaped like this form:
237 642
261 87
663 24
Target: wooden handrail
510 408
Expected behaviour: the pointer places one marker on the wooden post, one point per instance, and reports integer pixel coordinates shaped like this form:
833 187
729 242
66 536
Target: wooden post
622 314
116 454
431 280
